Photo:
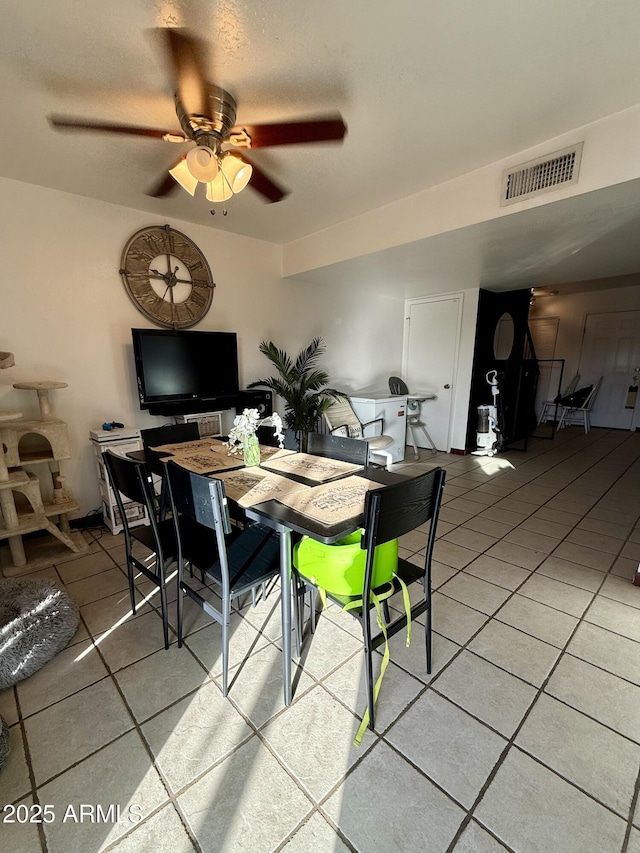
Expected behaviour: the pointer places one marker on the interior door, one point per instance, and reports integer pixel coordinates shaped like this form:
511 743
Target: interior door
611 349
431 344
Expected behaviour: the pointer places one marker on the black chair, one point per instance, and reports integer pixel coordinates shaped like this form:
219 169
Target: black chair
390 513
237 561
169 434
267 436
337 447
292 439
157 437
134 481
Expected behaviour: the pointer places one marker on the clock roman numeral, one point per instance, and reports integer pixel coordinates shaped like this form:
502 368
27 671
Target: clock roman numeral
154 244
169 242
182 309
141 254
199 297
150 299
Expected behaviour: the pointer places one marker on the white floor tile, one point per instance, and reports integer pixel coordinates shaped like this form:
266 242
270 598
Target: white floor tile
530 808
378 818
601 762
448 745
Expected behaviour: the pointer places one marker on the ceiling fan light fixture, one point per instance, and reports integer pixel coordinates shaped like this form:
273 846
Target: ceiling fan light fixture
236 171
183 176
202 163
219 188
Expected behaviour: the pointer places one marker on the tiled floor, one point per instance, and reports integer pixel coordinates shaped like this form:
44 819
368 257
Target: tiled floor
526 737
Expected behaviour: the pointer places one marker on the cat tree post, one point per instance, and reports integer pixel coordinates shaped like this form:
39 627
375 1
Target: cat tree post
7 503
42 389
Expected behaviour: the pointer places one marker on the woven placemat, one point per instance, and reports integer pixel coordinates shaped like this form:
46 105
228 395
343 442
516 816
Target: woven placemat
330 503
250 486
318 469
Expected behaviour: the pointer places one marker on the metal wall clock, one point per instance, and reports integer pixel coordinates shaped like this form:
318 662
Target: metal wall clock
167 277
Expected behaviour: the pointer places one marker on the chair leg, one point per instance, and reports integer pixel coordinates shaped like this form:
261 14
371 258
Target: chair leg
297 614
428 633
563 415
179 609
429 439
225 647
370 683
428 639
132 589
312 607
163 503
412 430
163 609
385 611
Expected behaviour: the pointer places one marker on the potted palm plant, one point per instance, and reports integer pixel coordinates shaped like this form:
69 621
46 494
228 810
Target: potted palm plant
301 384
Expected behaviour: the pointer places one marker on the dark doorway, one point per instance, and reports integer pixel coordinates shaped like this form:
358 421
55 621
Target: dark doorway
503 343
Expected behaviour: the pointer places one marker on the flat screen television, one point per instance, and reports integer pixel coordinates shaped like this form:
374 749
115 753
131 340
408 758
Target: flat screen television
182 372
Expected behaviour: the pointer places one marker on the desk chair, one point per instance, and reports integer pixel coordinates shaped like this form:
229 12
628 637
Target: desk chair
133 480
550 408
571 414
390 513
343 421
156 437
398 387
237 561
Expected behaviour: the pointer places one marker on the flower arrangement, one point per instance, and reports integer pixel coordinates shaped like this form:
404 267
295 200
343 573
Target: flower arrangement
243 437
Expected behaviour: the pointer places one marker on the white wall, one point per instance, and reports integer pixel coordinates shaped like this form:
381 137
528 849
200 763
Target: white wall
65 314
572 311
609 157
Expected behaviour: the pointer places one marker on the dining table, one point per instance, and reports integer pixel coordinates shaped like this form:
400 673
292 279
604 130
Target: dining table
289 492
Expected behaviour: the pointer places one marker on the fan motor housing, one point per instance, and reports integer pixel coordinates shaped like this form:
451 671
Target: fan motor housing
221 118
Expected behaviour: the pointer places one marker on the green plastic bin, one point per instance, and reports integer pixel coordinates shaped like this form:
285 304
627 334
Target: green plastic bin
339 568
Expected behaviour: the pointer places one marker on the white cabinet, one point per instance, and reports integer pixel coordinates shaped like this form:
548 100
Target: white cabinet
122 441
392 410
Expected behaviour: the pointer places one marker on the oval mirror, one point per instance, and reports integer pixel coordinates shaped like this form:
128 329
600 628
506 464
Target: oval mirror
503 337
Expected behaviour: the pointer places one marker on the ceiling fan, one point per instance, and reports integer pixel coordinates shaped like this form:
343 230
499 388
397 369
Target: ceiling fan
207 116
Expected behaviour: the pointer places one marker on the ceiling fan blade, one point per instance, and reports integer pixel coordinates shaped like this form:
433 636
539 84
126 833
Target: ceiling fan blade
262 183
69 123
291 132
187 60
167 183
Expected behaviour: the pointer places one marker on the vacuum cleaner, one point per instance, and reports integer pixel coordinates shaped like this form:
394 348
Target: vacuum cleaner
488 432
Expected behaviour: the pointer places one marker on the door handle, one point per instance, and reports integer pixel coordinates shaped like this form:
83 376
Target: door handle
447 385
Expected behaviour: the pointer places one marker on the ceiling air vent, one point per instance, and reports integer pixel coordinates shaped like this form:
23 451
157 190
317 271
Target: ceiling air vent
551 172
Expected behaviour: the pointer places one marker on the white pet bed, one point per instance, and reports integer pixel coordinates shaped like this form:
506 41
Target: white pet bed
37 620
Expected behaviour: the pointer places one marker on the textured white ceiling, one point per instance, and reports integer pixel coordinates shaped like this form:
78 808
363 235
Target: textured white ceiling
429 89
